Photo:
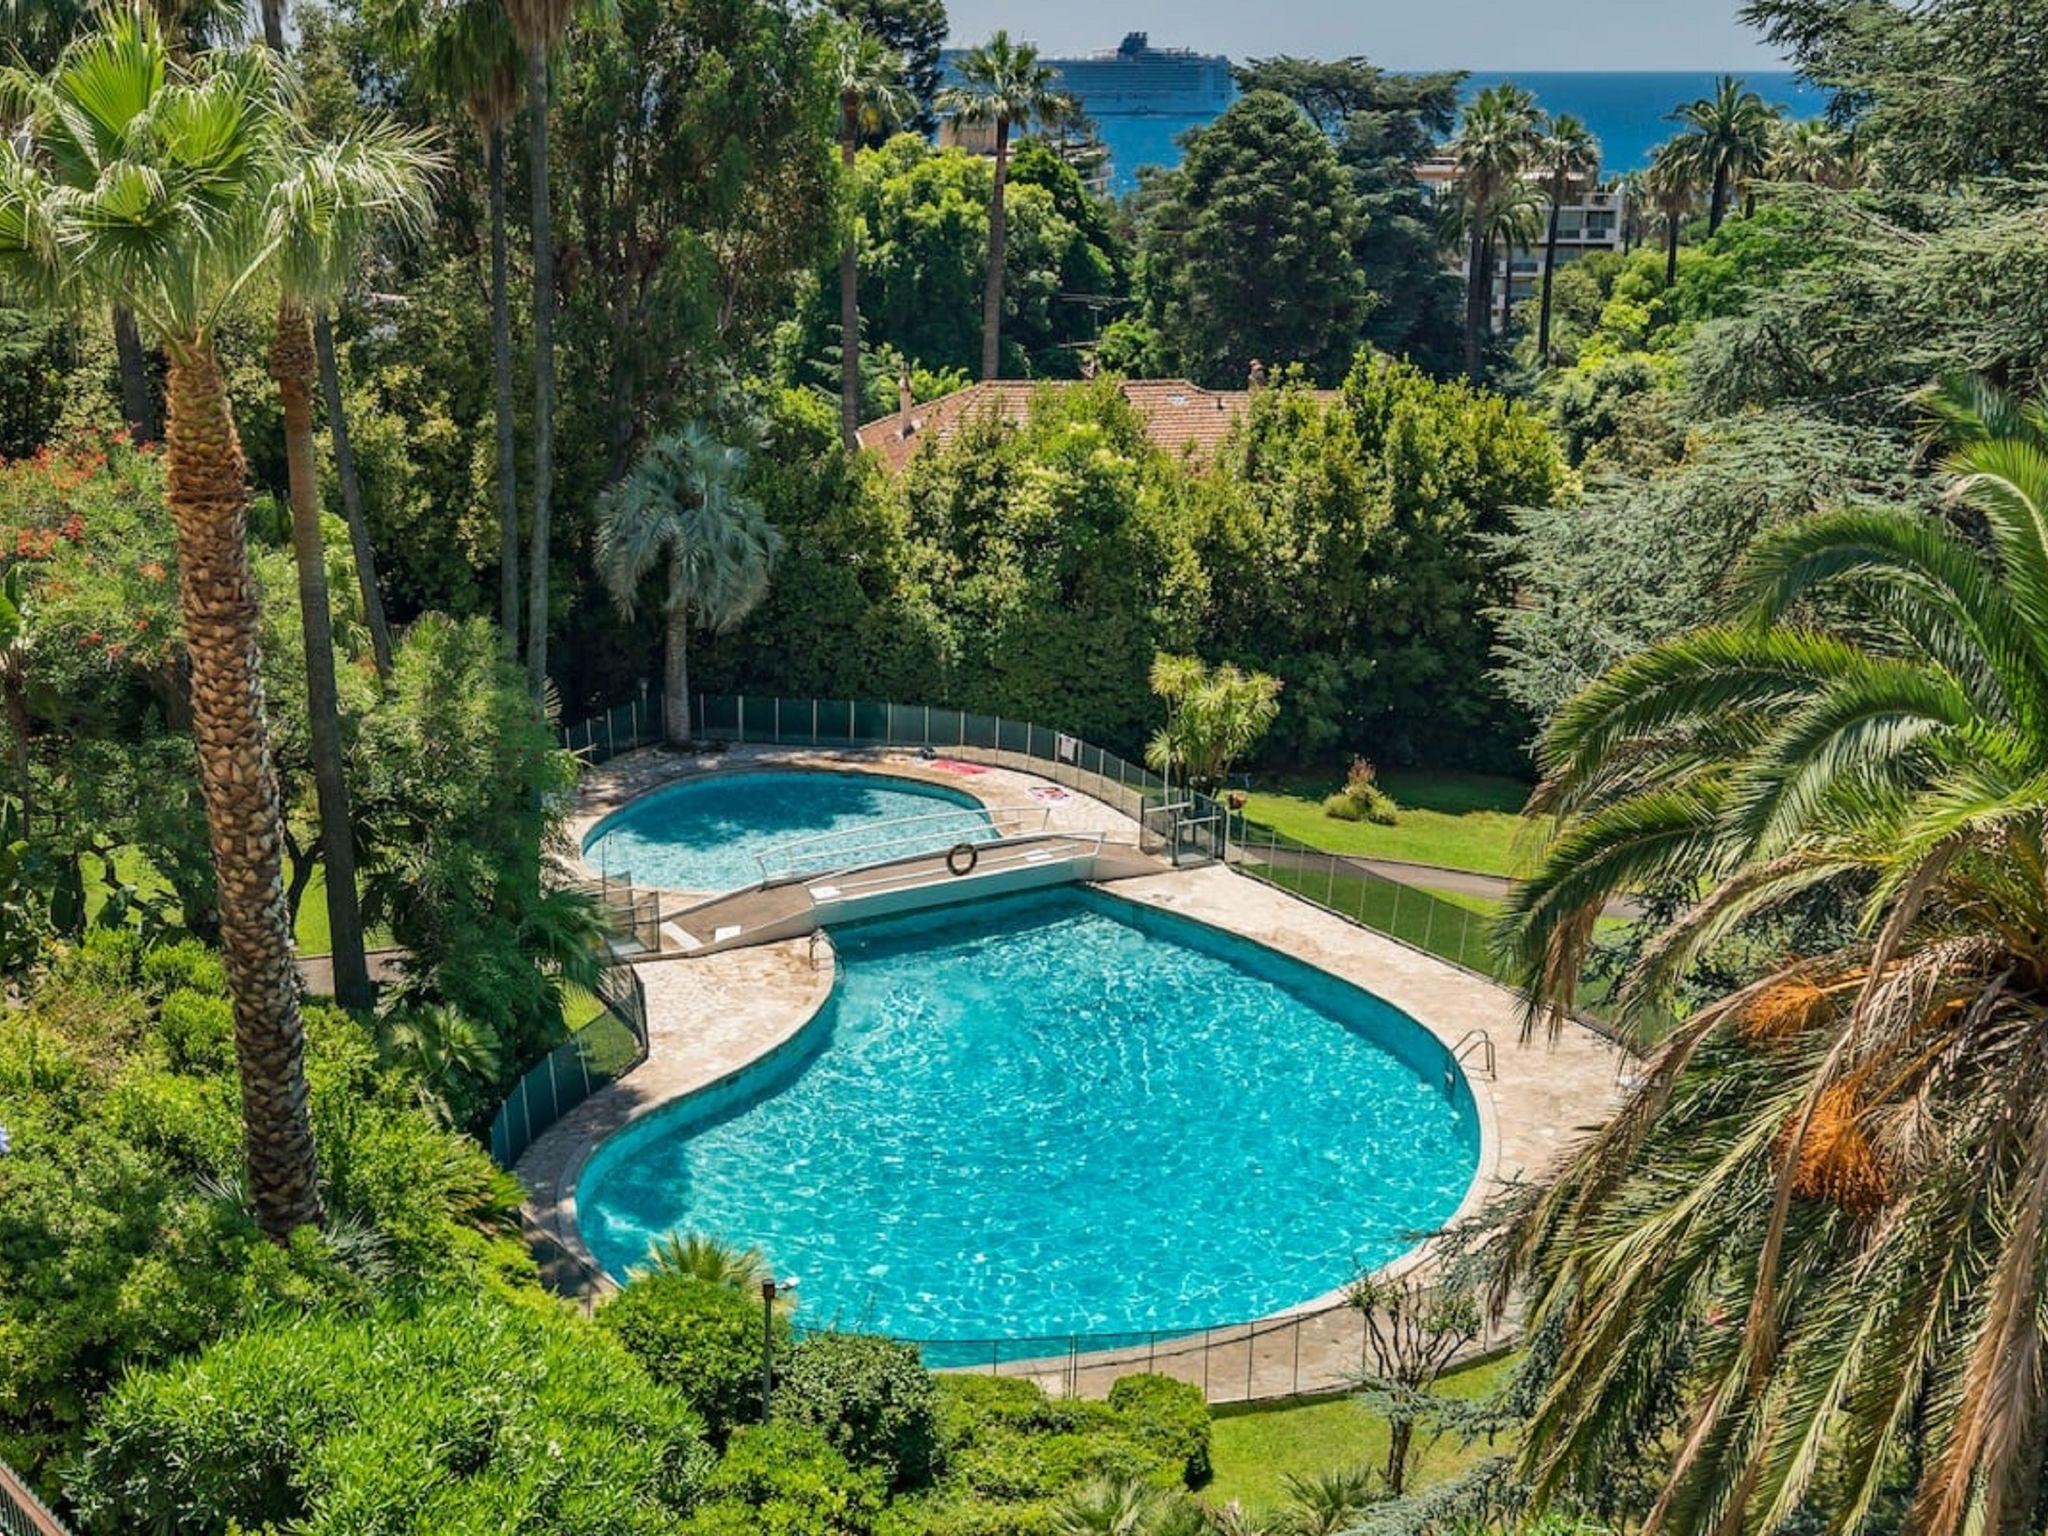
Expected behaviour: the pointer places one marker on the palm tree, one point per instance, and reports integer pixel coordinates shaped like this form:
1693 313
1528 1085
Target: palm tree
1329 1503
1820 1218
708 1259
466 52
1814 152
682 506
1634 190
868 78
1728 137
1567 153
1006 87
1214 715
1492 149
1673 185
161 185
1116 1504
331 205
538 26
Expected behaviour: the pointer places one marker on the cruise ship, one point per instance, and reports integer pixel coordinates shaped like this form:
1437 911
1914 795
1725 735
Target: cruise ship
1136 79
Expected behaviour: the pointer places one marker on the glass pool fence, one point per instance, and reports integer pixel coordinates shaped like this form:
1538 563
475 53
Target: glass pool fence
1317 1350
606 1048
21 1512
1184 826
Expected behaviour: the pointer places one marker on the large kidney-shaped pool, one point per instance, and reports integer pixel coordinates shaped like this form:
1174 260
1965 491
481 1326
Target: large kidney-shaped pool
712 833
1056 1113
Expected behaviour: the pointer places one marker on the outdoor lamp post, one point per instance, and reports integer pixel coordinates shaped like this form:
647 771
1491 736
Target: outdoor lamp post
768 1290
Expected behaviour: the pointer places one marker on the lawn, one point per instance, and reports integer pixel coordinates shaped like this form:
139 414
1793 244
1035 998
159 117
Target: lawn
1469 821
1255 1449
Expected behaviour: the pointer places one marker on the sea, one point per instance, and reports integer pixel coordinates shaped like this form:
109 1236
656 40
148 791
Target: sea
1628 111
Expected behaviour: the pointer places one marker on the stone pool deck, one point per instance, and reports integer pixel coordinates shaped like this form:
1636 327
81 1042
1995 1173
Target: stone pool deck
710 1016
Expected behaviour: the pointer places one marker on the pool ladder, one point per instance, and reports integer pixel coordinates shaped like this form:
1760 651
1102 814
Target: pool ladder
1476 1040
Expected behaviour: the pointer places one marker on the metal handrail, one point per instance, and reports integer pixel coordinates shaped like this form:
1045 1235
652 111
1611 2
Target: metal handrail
1481 1039
785 862
21 1512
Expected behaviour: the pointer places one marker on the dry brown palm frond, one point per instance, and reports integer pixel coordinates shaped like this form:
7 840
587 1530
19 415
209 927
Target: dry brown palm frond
1789 1005
1837 1161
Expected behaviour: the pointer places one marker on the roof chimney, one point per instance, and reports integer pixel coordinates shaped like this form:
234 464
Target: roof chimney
904 399
1257 380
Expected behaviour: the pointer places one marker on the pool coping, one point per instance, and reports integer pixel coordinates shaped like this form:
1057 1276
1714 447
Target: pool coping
551 1208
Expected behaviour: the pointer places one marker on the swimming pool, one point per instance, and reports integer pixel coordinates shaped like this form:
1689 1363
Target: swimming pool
1059 1112
708 834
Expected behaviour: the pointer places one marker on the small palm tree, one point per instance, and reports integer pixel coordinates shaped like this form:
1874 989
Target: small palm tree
333 203
1494 146
1567 154
698 1257
1673 186
1329 1503
1634 190
1815 152
1114 1505
1214 716
681 506
1004 87
166 187
1727 135
868 78
1820 1217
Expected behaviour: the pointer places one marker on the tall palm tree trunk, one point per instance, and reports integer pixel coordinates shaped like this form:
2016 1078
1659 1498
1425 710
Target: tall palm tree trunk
273 26
1719 209
501 364
137 406
1476 296
1670 250
351 480
998 240
675 676
849 290
1557 192
543 373
292 365
207 489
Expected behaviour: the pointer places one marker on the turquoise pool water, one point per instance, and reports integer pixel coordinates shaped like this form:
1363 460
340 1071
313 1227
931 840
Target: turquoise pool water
1055 1113
708 834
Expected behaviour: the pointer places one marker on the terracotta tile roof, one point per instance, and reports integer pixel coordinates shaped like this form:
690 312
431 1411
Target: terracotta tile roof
1181 417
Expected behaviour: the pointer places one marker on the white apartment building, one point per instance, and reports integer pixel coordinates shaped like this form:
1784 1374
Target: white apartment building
1593 221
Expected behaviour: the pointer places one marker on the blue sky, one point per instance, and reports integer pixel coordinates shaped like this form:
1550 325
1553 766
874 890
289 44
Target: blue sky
1403 34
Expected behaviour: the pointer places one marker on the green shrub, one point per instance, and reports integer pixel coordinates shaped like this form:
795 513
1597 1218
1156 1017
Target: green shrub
475 1415
1169 1416
871 1397
1341 807
700 1339
1006 1441
125 1242
187 964
786 1480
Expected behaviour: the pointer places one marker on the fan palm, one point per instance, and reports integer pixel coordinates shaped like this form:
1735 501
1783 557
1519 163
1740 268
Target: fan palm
868 78
1004 86
1494 145
1673 185
1329 1503
166 187
1634 190
1815 152
1113 1505
1728 136
681 506
1819 1223
1567 154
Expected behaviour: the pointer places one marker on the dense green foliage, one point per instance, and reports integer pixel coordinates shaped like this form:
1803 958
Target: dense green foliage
871 1398
124 1241
478 1414
699 1338
1249 250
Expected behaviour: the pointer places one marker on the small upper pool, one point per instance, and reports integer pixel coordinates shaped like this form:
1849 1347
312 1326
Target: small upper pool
1056 1113
711 833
